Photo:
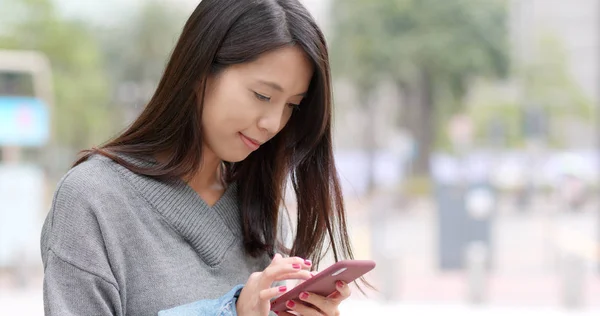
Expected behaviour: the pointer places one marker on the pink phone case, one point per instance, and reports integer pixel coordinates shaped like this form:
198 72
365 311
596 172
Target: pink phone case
324 282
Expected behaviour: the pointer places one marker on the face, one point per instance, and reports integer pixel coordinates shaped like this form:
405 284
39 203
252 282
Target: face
246 105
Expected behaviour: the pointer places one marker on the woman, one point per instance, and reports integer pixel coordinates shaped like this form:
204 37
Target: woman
182 208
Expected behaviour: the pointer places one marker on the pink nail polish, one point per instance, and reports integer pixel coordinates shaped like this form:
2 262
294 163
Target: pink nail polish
303 295
308 262
339 284
296 266
282 289
290 304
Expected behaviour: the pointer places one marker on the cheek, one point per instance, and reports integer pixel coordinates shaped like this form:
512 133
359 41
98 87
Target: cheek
237 112
285 119
227 113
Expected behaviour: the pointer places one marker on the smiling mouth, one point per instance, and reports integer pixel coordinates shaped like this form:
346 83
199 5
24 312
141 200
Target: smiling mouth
250 142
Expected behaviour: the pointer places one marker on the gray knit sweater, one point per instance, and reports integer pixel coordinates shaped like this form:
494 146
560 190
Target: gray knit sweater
117 243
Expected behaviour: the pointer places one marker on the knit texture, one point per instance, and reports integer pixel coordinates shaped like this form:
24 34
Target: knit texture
118 243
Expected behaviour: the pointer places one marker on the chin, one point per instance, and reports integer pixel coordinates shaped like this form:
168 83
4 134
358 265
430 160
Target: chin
234 157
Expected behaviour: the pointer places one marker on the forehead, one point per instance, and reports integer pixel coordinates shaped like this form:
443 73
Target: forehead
289 67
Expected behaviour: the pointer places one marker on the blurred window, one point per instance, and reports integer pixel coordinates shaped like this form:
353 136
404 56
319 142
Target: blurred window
16 84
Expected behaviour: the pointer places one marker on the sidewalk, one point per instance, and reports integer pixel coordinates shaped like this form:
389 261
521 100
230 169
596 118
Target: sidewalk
29 303
352 308
526 254
22 303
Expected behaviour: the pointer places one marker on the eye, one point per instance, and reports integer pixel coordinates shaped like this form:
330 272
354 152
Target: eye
261 97
294 106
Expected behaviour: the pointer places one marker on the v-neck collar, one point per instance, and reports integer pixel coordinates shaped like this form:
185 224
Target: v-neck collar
210 230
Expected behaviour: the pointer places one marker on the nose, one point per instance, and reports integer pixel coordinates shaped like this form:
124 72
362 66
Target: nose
273 119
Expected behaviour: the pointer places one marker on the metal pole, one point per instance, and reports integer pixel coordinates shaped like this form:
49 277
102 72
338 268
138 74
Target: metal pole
572 273
598 121
476 259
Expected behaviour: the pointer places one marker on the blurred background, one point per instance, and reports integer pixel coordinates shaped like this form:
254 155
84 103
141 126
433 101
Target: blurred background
467 139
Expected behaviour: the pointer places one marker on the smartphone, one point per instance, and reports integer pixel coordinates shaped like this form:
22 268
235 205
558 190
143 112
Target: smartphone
324 282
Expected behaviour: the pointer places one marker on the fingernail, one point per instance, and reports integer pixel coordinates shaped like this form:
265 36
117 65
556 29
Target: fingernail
339 283
308 263
303 295
290 304
296 266
282 289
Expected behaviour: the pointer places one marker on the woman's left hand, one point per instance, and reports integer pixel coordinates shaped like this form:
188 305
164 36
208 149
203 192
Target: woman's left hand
323 306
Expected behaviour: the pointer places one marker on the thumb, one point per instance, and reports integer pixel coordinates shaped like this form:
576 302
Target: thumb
276 257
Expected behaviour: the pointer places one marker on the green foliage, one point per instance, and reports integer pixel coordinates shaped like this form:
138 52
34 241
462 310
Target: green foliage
549 84
546 83
431 49
487 104
453 40
460 43
139 47
81 117
418 187
90 63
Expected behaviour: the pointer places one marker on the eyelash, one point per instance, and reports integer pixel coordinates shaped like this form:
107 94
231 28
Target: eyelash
264 98
261 97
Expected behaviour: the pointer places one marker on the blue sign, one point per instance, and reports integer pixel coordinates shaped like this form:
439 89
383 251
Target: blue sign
24 122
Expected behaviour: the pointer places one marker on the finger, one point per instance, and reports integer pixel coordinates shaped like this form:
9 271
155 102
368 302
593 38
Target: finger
342 292
301 275
302 309
284 313
320 302
302 280
304 263
275 271
283 266
272 292
277 257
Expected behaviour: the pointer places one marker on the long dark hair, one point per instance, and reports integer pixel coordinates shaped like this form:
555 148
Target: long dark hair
218 34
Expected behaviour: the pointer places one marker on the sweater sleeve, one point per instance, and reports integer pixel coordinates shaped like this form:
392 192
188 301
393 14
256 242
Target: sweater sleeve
70 291
78 279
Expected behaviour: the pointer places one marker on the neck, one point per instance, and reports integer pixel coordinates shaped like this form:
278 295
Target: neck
208 177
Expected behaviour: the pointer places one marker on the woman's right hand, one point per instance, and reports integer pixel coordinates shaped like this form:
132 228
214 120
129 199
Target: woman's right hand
255 298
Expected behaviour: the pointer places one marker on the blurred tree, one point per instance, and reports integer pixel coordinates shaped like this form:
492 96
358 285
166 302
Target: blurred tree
81 117
356 54
136 52
548 84
536 105
431 49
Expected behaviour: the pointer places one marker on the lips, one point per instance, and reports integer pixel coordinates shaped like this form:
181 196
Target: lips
252 143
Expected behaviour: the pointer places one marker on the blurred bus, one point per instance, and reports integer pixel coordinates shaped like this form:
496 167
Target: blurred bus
25 106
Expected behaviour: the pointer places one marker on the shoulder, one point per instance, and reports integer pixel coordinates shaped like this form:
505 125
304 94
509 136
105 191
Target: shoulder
92 187
72 230
81 195
91 177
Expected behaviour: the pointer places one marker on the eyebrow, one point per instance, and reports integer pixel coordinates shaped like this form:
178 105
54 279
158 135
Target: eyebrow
278 87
